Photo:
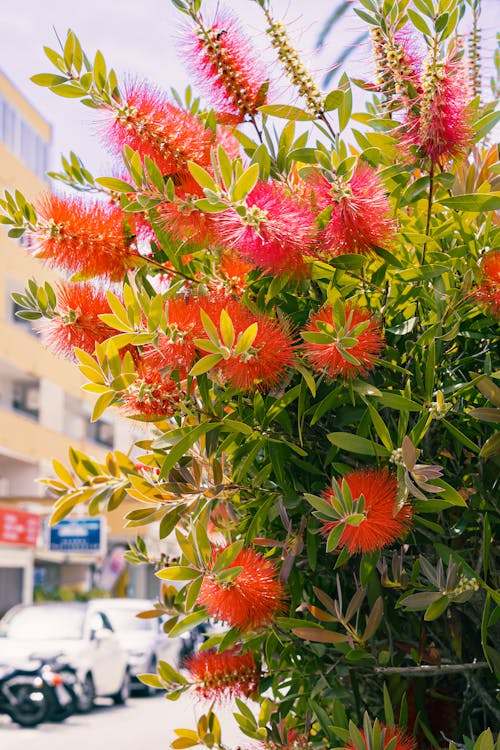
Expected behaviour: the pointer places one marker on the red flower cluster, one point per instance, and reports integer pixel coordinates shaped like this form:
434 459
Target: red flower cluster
438 120
360 213
275 232
221 59
77 323
251 600
176 350
152 397
489 291
150 124
403 741
222 676
384 521
233 272
271 353
348 350
91 239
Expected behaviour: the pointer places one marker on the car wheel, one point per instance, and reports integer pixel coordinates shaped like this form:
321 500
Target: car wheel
121 697
86 697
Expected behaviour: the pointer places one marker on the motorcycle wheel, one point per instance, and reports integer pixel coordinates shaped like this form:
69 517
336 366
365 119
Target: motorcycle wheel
28 712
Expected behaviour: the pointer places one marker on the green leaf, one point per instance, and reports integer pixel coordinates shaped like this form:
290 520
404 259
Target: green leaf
401 403
202 177
419 22
178 573
205 364
333 100
436 609
188 623
48 79
355 444
114 184
474 202
246 183
183 445
286 111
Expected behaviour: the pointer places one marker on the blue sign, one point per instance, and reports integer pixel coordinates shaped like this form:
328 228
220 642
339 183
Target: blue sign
76 535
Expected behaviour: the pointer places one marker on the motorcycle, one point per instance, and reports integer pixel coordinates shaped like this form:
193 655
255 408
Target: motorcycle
62 687
23 696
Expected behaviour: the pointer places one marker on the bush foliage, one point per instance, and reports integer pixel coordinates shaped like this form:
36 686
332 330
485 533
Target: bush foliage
303 302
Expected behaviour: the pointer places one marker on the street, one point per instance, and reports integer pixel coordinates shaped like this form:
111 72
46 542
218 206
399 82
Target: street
142 722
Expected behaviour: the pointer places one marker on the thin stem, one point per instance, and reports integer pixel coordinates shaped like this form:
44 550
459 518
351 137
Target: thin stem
430 669
429 209
324 119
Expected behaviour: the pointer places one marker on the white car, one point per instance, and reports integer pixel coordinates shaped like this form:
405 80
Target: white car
142 638
82 633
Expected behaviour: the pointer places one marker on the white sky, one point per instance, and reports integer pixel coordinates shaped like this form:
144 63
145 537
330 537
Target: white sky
140 37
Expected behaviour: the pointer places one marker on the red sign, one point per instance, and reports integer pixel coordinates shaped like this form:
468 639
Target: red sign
18 527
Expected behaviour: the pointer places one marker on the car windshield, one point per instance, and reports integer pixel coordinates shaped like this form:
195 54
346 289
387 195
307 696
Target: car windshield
44 623
124 618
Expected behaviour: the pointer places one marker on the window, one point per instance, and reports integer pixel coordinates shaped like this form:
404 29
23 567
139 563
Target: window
21 139
26 397
101 432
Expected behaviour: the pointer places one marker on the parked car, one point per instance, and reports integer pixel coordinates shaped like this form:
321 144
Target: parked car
82 633
142 638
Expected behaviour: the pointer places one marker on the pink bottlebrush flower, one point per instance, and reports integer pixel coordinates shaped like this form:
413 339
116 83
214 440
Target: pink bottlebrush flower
274 234
489 291
438 119
385 521
150 124
152 397
221 58
221 676
349 346
90 239
264 363
360 215
77 323
251 600
398 65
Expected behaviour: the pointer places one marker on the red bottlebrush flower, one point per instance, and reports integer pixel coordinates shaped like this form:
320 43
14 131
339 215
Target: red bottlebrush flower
403 741
438 120
150 124
229 674
251 600
360 213
176 350
276 231
384 521
264 363
185 222
221 59
152 397
77 323
351 340
86 238
233 272
489 291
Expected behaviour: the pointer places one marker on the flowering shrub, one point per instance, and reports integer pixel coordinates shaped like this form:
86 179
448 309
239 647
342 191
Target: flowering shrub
304 303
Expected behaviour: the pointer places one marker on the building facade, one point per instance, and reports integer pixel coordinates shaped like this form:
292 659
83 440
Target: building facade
42 407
